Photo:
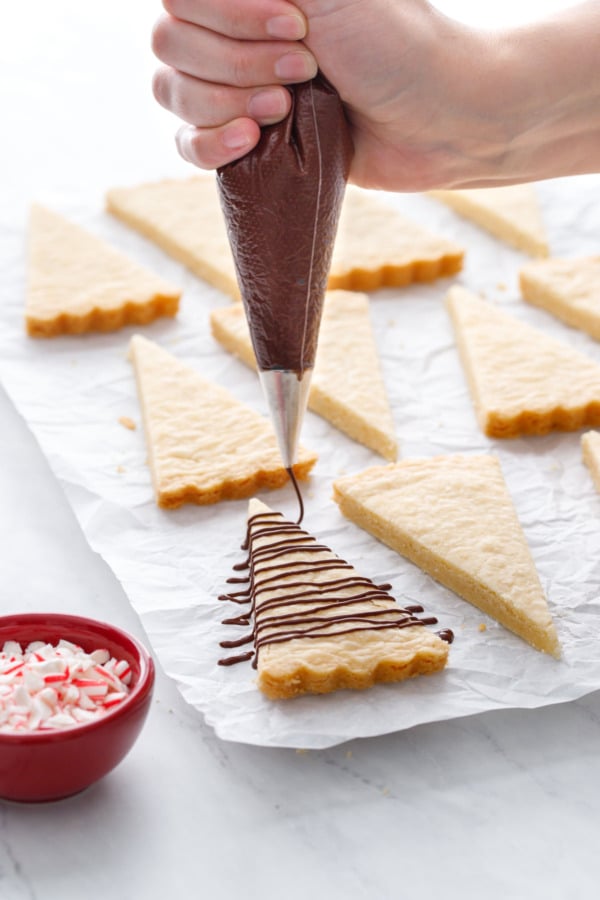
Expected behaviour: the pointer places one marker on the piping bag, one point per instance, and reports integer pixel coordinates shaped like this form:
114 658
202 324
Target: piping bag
281 204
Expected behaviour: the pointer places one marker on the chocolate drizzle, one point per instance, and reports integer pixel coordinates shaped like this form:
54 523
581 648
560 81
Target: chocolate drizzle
296 487
298 606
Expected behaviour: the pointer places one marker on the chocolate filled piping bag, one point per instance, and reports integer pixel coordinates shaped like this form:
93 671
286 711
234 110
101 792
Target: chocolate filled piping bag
282 203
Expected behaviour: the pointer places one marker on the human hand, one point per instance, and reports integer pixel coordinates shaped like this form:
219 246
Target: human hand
431 103
227 62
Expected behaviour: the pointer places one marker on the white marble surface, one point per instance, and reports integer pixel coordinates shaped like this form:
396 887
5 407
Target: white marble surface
501 805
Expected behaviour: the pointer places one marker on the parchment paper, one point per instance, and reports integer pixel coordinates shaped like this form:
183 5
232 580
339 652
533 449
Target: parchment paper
172 565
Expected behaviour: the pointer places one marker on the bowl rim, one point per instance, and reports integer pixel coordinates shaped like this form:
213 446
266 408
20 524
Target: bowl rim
140 690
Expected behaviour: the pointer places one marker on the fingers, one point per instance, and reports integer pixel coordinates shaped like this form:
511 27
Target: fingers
256 20
209 105
226 65
209 56
209 148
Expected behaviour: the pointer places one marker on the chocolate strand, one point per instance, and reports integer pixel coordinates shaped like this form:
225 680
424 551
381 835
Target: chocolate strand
296 486
324 608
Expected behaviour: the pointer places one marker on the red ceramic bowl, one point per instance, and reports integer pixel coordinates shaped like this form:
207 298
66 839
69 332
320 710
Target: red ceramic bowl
37 766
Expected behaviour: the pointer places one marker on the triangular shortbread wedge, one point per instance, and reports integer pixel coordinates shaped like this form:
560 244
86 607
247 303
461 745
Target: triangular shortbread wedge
184 217
203 444
77 282
522 381
509 212
377 247
319 626
347 387
454 518
590 449
567 288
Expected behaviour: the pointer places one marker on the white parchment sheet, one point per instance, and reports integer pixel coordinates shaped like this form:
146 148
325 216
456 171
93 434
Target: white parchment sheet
173 565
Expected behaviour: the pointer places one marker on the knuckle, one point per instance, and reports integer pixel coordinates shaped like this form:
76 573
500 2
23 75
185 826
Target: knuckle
242 66
180 99
237 20
160 86
171 6
161 37
194 147
219 101
202 105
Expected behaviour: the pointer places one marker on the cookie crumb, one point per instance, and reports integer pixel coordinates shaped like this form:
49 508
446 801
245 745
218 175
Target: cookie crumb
126 422
482 626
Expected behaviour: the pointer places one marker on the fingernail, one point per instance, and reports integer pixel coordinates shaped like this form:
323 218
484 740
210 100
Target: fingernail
235 138
267 105
286 28
296 67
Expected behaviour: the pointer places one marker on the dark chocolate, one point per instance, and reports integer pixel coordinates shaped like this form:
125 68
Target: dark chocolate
325 604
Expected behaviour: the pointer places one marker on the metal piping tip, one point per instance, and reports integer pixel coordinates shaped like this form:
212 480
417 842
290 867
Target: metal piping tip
287 395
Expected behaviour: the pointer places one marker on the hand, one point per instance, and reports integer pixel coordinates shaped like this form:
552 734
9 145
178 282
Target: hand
226 64
431 102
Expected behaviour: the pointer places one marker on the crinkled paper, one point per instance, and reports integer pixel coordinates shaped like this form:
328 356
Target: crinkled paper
72 392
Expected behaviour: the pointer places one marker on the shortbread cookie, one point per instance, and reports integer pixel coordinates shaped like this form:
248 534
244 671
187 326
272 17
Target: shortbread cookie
454 518
567 288
590 449
203 445
509 212
347 388
377 247
319 626
522 381
77 282
184 217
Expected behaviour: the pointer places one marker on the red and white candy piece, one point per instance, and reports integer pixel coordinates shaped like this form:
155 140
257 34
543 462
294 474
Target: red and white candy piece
47 687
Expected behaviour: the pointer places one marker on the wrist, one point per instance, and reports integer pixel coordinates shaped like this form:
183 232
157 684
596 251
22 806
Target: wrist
524 104
554 94
468 68
541 86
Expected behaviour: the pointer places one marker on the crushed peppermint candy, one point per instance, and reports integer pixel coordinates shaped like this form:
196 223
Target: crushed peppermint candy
47 687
